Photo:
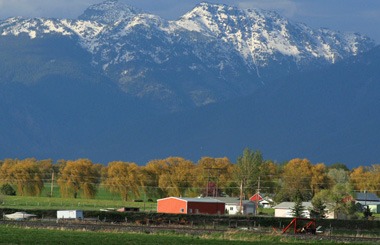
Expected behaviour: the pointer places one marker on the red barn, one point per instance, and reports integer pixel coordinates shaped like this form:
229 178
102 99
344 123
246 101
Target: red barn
178 205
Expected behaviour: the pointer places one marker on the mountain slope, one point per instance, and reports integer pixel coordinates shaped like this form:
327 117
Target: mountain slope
330 115
213 53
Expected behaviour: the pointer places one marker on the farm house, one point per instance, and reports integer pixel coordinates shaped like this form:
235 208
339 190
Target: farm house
179 205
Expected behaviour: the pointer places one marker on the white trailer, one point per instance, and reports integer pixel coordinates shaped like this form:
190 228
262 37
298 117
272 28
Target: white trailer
70 214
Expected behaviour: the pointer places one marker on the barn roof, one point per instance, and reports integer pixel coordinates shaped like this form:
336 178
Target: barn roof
194 199
362 196
256 197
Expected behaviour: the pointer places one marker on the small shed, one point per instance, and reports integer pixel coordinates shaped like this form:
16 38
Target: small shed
179 205
234 207
70 214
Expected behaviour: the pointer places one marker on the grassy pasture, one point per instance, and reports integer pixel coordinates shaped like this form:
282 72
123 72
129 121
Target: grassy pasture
53 200
17 202
18 235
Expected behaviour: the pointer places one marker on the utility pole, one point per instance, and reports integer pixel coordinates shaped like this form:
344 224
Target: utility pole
241 197
258 196
213 174
52 184
208 181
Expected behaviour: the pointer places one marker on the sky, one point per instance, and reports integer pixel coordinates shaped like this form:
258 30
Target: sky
362 16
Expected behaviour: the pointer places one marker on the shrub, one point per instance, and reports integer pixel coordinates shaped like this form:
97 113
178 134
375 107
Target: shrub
8 190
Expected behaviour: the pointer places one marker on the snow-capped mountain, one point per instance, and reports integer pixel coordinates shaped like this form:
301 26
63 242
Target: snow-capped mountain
258 34
212 53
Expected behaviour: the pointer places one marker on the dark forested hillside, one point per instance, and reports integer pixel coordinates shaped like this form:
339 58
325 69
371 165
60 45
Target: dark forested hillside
328 115
121 85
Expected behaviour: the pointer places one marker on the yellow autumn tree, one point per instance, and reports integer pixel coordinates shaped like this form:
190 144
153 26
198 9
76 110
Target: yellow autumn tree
124 178
366 178
359 178
178 176
269 172
296 178
5 174
26 176
320 179
80 176
213 176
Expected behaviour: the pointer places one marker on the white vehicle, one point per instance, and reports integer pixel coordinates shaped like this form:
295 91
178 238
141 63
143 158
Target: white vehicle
19 216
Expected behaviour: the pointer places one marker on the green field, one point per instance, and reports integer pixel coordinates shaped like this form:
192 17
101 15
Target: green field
17 235
53 200
17 202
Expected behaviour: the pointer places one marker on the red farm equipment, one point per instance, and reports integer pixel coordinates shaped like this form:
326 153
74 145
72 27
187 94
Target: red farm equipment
301 225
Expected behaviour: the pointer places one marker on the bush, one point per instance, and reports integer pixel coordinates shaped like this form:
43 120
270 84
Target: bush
8 190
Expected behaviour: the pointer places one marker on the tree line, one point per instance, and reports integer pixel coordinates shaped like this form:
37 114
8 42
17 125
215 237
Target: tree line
297 179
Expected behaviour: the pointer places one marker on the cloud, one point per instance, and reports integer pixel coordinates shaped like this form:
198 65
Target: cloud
44 8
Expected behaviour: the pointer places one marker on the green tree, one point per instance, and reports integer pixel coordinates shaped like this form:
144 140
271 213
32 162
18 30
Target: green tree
339 166
248 170
340 200
338 176
298 208
80 176
8 190
319 208
367 212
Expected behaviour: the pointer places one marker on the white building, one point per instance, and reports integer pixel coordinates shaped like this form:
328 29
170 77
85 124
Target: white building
233 206
284 210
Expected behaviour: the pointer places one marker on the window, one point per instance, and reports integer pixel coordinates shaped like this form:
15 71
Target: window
231 208
182 210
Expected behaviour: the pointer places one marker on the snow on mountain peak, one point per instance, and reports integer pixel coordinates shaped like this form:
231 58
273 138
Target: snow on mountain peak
109 12
228 51
260 34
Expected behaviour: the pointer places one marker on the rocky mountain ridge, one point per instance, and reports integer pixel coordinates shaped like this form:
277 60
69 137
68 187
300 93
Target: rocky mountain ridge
212 53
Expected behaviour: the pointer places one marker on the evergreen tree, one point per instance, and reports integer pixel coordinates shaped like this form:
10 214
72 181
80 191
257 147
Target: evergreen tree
319 209
298 208
367 212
